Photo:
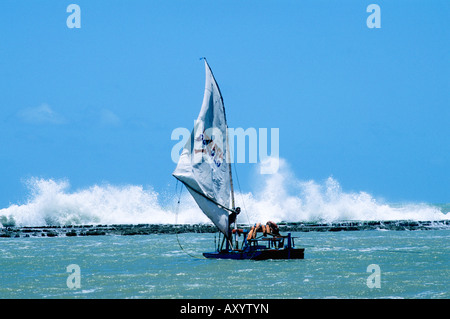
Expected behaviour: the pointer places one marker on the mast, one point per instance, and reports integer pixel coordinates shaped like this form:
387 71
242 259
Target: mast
233 205
232 192
231 177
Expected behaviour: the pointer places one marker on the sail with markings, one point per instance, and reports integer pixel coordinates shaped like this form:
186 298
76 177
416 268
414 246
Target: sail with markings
204 166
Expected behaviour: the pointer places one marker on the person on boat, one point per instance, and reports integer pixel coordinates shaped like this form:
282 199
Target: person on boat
269 228
232 220
233 215
252 233
272 228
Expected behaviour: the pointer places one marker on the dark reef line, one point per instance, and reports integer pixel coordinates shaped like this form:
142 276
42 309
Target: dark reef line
147 229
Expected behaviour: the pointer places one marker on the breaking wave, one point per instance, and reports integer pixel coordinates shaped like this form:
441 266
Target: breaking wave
52 203
282 197
285 198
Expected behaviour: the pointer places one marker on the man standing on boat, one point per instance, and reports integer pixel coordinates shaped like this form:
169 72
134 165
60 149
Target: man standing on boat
233 215
232 220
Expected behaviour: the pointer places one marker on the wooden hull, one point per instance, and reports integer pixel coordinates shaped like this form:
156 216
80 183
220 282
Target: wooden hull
259 254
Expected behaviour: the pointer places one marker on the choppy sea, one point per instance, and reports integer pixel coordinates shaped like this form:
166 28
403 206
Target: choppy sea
408 264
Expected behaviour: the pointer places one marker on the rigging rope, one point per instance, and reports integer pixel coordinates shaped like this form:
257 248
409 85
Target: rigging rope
176 221
240 192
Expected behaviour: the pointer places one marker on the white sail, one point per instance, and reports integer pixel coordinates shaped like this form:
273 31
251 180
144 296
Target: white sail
203 166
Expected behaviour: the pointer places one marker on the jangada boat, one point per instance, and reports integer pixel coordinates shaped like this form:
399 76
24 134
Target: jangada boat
204 168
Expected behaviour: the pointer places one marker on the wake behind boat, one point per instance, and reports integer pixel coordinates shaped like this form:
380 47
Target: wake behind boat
204 168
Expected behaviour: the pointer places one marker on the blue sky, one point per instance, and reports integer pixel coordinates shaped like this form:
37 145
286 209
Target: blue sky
98 104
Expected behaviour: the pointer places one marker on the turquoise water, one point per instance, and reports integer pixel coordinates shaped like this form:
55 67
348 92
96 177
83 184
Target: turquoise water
413 264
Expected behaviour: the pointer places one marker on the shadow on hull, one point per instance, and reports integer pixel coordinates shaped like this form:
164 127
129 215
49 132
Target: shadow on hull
263 254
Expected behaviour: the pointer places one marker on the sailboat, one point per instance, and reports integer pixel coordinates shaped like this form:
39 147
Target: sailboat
204 168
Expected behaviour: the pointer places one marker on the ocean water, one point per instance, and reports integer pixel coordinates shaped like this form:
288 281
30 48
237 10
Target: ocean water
412 264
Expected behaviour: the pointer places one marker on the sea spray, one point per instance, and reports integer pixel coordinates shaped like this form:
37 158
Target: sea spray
281 197
51 203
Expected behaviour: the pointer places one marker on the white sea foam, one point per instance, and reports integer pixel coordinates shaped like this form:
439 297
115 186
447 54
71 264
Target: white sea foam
52 203
282 197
